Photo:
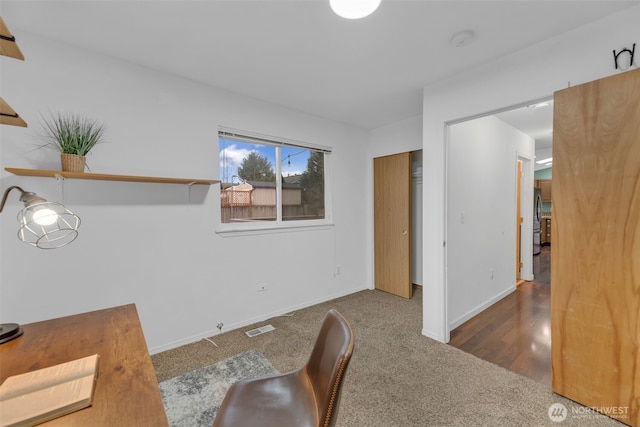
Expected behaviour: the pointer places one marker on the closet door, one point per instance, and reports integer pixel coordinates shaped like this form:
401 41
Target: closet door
392 224
595 260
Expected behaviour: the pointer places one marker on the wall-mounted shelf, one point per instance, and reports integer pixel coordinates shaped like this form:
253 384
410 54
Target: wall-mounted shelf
8 45
8 116
108 177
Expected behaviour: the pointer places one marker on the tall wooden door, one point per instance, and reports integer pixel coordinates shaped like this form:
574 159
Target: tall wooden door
519 220
595 262
392 224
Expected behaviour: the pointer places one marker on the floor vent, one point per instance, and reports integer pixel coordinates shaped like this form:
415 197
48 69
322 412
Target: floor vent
259 331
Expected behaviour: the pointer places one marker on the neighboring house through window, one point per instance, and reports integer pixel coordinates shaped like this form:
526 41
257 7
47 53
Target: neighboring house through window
271 180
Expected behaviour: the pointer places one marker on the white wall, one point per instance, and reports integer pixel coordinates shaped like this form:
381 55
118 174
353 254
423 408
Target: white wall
481 214
399 137
577 57
153 244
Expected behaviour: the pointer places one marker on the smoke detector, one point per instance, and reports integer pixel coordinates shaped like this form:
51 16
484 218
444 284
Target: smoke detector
463 38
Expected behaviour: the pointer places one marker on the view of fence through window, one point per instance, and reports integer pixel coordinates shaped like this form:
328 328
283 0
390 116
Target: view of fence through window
264 181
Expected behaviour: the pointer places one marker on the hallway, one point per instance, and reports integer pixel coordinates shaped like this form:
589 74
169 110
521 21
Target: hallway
515 332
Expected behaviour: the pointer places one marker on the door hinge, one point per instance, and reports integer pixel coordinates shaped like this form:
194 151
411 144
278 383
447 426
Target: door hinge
444 244
521 265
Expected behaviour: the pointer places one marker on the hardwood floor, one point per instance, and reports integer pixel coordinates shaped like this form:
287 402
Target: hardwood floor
515 332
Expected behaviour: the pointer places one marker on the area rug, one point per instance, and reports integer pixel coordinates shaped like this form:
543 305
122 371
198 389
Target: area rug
192 399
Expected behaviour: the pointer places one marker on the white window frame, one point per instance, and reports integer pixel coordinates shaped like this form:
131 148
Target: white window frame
265 227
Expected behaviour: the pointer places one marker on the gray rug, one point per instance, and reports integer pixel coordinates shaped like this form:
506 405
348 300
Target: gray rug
192 399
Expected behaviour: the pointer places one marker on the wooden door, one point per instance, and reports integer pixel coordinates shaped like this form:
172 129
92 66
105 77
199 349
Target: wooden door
519 221
595 262
392 224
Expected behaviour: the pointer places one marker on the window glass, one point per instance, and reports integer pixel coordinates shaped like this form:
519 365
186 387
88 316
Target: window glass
264 180
302 184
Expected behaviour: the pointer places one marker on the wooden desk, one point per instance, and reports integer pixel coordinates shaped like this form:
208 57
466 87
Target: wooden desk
127 392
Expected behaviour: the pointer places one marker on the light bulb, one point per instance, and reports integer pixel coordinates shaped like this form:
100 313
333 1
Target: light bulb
45 216
354 9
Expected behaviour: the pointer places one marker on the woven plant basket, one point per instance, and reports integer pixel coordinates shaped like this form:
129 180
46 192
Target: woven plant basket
72 162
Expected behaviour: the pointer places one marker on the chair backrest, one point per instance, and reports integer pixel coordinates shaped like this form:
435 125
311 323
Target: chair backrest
327 365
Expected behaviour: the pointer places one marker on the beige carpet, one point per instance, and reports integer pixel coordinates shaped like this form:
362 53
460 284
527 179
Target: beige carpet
397 377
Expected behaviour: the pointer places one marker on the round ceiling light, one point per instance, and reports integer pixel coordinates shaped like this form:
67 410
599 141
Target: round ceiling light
354 9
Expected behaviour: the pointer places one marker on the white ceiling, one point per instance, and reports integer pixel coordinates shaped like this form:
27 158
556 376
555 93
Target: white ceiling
535 120
298 54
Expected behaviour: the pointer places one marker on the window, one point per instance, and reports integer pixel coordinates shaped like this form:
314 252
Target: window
271 180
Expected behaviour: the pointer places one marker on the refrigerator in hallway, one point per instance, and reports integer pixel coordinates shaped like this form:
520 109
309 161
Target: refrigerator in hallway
537 214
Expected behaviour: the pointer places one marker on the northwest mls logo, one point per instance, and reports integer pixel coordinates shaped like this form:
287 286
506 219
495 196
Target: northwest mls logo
557 412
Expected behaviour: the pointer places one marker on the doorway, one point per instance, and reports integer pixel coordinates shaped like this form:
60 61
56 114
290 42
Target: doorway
482 157
497 307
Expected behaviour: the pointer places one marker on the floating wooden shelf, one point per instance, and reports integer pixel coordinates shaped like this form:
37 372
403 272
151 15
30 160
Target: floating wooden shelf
8 116
107 177
8 45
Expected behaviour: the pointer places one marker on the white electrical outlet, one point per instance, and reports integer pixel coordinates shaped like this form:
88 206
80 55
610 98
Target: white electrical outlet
263 287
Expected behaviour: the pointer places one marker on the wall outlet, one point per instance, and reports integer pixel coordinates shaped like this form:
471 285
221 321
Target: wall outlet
263 287
337 271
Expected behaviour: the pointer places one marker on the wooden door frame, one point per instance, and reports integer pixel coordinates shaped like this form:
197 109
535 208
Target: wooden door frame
519 221
526 211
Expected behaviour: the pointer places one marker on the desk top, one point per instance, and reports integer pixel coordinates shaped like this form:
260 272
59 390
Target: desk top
127 392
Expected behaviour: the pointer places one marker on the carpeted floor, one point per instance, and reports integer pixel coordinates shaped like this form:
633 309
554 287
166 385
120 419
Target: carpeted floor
397 377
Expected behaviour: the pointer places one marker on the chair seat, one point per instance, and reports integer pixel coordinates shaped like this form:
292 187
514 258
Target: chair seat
278 401
308 397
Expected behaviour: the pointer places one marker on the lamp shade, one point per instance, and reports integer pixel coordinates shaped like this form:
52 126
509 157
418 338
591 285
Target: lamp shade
43 224
47 225
354 9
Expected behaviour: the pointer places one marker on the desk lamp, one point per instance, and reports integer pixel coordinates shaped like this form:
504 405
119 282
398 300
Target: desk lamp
45 225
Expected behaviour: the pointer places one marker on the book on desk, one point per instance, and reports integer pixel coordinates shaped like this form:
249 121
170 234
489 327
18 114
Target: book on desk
42 395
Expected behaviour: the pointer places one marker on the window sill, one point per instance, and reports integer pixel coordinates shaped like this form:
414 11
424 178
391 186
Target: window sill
271 229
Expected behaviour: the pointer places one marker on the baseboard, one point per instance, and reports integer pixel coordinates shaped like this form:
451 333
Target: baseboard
431 335
213 332
478 309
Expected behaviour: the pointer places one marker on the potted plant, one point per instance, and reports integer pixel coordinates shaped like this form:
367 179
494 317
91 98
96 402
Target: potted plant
74 136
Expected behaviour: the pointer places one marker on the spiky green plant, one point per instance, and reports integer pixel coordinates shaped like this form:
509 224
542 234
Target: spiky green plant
72 133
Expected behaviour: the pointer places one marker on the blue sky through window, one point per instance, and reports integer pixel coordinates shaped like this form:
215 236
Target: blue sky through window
232 152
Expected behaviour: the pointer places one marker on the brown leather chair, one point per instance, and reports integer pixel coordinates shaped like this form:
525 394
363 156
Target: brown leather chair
307 397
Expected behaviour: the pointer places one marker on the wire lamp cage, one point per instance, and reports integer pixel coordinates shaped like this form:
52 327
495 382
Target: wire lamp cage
44 224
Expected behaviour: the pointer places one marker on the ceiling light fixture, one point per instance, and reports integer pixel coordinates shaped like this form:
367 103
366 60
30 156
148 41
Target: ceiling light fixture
43 224
354 9
544 160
